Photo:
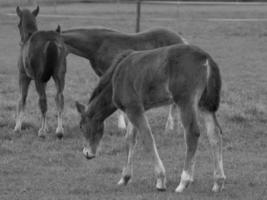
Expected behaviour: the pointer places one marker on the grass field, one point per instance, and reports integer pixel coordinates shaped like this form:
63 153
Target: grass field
50 169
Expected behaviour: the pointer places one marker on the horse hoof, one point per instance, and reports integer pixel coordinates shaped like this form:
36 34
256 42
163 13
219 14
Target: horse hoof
41 136
87 153
161 189
42 133
124 180
59 135
161 184
59 132
182 186
218 185
17 128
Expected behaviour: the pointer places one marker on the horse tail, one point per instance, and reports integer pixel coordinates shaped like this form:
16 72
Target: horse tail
106 78
51 58
210 98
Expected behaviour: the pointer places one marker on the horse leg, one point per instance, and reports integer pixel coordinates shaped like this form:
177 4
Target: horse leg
60 84
191 132
172 117
40 87
24 83
139 121
170 121
121 120
130 144
215 140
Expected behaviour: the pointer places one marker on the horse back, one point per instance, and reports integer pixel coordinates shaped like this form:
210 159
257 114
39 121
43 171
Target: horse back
154 77
101 46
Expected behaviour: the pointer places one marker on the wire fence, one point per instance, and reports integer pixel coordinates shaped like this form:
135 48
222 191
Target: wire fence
141 8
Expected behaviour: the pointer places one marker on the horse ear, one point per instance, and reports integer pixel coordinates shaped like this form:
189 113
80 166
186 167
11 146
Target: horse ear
19 13
58 29
80 107
36 11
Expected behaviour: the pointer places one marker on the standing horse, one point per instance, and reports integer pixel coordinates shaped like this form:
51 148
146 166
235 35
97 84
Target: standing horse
102 45
42 55
183 75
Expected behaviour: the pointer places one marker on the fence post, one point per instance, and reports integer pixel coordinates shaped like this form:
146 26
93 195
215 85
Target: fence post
138 13
55 6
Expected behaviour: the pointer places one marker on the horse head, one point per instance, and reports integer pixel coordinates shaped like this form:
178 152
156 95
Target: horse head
27 22
92 129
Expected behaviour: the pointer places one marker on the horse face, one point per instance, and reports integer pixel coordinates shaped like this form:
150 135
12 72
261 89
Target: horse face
92 129
27 22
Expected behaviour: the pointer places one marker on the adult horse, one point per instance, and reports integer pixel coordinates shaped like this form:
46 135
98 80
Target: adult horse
101 45
183 75
42 55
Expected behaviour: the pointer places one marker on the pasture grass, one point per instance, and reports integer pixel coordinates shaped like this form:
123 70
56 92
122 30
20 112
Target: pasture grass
35 168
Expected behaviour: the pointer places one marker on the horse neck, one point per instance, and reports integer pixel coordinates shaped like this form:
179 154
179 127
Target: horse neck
82 43
28 32
101 106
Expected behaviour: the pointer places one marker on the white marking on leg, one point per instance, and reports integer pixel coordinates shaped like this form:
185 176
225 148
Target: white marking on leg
186 178
59 129
150 145
159 169
141 123
215 140
170 120
43 130
131 143
191 134
121 120
19 121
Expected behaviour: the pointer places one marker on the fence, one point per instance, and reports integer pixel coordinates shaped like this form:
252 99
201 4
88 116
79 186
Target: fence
196 2
140 3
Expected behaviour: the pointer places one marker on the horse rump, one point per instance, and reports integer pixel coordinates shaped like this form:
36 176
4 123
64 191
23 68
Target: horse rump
51 60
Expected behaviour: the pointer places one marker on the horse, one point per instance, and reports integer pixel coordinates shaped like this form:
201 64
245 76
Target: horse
184 75
101 45
42 56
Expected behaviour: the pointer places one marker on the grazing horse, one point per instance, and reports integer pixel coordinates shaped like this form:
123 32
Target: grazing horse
137 81
42 56
102 45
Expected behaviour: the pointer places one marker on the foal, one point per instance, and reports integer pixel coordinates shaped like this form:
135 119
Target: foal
141 80
102 45
42 55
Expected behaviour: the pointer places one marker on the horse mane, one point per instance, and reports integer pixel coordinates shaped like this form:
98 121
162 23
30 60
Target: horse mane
106 78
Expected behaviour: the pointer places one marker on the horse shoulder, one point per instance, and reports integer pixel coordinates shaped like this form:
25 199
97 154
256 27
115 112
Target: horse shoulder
122 90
